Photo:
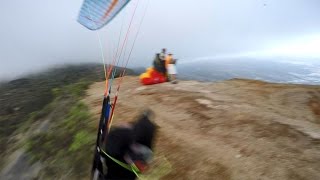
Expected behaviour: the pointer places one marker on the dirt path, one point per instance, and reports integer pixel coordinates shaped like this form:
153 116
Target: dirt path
237 129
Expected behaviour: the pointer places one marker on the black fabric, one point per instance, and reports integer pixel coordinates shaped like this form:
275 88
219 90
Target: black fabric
157 65
97 164
118 141
118 144
115 171
144 131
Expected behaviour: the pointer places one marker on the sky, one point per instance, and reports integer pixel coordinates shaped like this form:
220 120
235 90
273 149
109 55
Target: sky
37 34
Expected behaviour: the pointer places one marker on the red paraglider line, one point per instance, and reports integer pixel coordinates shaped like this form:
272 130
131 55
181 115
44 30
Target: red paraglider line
126 37
116 60
124 42
134 42
124 70
113 57
118 44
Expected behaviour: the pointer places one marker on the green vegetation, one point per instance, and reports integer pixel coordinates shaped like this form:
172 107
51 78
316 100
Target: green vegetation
67 146
25 98
28 98
54 97
81 139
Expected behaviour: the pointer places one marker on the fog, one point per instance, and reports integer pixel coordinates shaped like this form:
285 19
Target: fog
38 34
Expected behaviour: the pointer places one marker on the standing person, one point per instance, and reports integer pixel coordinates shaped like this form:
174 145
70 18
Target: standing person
172 70
163 54
162 57
168 61
157 63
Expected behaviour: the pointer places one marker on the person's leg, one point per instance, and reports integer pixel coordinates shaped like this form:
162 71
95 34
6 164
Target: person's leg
174 79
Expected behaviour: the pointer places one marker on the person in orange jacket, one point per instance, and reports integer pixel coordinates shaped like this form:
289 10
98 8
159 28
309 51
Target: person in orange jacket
168 59
171 68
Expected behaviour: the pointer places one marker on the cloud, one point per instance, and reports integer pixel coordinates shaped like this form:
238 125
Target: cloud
43 33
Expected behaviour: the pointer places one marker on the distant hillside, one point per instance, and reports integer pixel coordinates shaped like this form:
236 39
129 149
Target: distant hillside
21 97
139 70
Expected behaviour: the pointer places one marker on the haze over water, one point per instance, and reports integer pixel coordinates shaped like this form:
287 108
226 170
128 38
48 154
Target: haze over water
281 70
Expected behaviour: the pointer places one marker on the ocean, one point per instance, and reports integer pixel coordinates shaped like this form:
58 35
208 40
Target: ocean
270 70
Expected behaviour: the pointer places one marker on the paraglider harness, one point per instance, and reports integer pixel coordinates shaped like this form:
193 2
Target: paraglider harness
137 161
103 130
91 20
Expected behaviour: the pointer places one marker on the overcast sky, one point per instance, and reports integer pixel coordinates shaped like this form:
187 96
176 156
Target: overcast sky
39 33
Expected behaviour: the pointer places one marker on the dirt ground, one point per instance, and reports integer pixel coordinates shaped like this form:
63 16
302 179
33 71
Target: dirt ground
235 129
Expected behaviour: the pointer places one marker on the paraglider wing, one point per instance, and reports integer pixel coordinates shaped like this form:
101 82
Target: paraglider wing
152 76
94 14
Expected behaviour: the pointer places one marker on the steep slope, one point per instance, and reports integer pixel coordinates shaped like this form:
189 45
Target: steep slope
32 108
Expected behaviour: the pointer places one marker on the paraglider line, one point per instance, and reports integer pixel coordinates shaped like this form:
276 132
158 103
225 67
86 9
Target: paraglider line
117 49
102 54
124 70
126 38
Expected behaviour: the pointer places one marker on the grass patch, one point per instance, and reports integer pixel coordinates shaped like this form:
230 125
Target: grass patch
81 139
27 101
67 147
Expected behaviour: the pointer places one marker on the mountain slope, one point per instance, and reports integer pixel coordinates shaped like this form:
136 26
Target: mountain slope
32 111
234 129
